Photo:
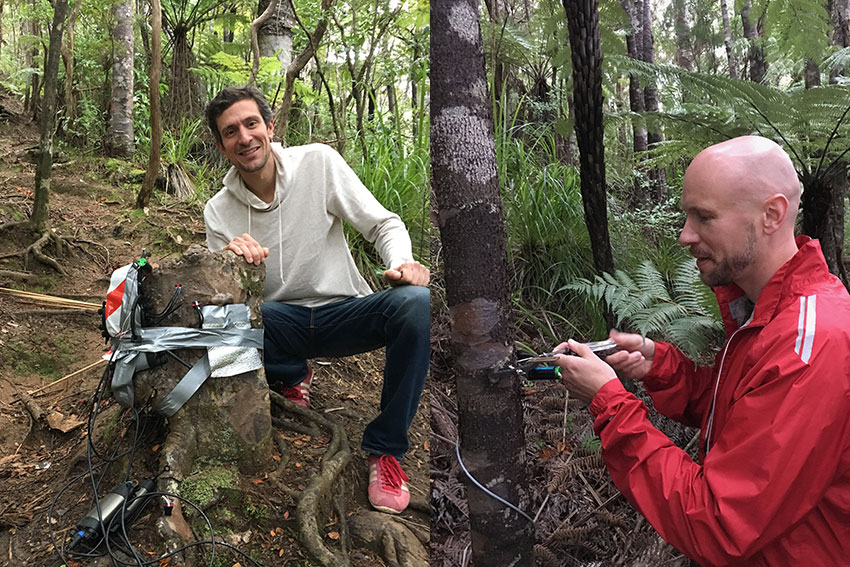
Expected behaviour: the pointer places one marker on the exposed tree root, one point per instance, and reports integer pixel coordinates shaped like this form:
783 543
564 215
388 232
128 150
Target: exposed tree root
310 429
22 277
319 490
384 535
37 251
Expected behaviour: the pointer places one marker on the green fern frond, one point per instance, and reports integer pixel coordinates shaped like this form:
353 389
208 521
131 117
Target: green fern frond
678 308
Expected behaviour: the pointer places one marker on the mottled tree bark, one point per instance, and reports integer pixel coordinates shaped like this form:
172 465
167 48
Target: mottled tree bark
120 139
684 51
583 23
68 58
154 157
469 212
657 176
758 66
47 128
639 196
727 40
275 35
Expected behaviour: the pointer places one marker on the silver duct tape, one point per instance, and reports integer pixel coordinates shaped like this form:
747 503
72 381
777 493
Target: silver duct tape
227 325
156 339
224 360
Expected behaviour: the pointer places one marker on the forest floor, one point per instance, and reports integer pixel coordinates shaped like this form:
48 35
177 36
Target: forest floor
91 203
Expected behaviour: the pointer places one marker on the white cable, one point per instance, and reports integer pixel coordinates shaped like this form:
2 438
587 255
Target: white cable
488 492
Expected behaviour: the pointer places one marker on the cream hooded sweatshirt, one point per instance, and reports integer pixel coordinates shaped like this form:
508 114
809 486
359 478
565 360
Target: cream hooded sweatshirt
309 262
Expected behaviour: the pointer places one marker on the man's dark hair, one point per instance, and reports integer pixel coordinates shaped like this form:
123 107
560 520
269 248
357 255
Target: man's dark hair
227 98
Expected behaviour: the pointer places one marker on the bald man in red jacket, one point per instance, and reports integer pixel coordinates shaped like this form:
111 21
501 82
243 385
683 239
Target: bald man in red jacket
772 485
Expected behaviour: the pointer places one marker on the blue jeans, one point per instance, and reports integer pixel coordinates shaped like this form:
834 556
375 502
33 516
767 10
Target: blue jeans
398 318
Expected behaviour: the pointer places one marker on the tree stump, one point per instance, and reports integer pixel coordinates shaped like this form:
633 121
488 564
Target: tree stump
226 425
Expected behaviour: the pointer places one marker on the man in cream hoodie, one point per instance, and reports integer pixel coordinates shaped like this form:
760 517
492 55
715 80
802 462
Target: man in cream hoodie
286 207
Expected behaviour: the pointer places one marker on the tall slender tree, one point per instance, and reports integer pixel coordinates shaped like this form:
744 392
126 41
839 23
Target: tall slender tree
727 40
583 24
634 39
68 58
469 212
120 138
152 171
657 176
47 126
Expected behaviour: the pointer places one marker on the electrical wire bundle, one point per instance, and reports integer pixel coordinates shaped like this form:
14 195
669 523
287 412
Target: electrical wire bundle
104 530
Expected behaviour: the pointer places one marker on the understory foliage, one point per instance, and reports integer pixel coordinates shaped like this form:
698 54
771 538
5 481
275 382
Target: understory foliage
812 124
678 307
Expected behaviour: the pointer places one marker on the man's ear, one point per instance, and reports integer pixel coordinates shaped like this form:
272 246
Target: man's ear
271 129
220 147
775 211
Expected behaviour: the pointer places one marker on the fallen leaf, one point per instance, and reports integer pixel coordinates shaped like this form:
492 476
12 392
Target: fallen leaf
271 533
547 453
257 481
280 553
426 445
276 457
61 423
333 535
155 448
286 515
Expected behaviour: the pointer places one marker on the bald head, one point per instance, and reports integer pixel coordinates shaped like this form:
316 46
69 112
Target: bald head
747 171
741 198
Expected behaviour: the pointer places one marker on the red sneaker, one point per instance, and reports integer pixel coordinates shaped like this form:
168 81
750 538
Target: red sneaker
300 393
388 490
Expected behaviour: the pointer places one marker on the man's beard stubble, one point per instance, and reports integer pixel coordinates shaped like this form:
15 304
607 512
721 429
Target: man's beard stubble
727 270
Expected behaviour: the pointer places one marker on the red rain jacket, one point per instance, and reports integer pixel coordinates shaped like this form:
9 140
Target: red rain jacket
774 487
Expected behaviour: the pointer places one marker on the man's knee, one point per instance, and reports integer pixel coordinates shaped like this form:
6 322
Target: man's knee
414 305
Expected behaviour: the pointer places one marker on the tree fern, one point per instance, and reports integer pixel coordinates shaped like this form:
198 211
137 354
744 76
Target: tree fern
679 308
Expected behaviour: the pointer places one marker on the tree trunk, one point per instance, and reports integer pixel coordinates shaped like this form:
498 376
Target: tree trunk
184 100
392 108
47 128
583 23
812 74
295 67
758 66
823 216
227 34
657 177
275 35
414 76
120 138
226 425
32 101
497 20
152 171
727 40
639 196
68 57
841 33
684 52
841 23
470 218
